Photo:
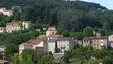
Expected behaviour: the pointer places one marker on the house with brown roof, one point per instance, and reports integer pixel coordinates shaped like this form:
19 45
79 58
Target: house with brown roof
36 44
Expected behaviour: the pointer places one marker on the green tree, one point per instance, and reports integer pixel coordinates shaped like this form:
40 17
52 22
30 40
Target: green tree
88 32
107 60
16 58
106 26
67 56
46 60
10 49
26 59
65 33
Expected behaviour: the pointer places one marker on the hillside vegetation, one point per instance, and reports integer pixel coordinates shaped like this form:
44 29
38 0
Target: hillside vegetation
73 15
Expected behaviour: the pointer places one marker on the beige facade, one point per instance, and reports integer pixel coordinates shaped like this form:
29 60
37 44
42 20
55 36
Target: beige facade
86 42
51 30
110 38
98 43
95 42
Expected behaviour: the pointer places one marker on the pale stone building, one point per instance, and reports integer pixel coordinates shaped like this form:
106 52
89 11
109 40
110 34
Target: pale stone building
6 12
12 27
51 30
25 25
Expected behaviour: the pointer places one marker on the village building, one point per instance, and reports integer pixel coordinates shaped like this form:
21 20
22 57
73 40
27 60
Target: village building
2 29
86 41
80 42
110 41
36 44
52 45
95 42
6 12
62 43
51 31
12 27
25 25
99 43
2 48
65 43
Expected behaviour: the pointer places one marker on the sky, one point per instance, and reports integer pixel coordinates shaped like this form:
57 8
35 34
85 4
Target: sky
106 3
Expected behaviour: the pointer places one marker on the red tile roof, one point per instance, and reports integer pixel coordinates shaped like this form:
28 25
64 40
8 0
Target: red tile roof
25 44
55 36
5 10
31 42
13 25
35 41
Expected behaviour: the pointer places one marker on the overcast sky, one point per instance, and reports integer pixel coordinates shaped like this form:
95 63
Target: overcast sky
106 3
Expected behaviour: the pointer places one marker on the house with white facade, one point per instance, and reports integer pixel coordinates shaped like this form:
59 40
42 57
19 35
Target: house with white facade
6 12
25 25
51 31
2 48
36 44
65 43
52 45
62 43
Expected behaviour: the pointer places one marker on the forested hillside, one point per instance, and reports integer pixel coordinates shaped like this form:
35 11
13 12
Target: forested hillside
73 15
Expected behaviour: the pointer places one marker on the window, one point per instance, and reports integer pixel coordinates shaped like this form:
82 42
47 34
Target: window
97 44
94 44
59 45
94 40
64 45
67 44
101 40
